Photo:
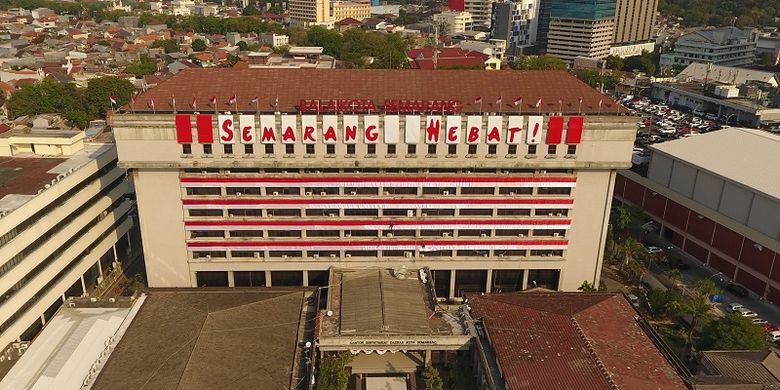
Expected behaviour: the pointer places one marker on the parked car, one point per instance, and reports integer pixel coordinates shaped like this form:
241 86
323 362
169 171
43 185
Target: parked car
759 321
769 327
733 307
773 336
737 290
654 250
634 300
745 312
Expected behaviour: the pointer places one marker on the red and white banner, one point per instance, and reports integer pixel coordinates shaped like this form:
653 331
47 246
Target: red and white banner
371 129
494 126
364 181
350 125
227 134
473 129
418 245
453 130
290 129
329 133
269 134
435 224
378 203
412 129
392 129
534 136
247 124
514 130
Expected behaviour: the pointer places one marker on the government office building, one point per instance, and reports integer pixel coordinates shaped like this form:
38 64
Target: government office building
297 171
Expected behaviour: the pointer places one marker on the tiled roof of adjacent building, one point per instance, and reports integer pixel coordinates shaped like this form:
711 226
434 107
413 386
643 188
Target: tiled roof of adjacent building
571 341
292 85
740 368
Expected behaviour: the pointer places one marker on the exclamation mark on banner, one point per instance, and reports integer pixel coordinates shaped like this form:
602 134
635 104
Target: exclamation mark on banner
536 131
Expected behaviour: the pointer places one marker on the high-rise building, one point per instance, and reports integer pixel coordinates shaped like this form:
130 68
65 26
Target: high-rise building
64 222
543 24
481 11
581 28
341 10
634 20
368 168
453 21
305 13
515 22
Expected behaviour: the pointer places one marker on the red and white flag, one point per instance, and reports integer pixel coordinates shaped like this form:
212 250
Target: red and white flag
580 100
538 103
560 100
255 100
601 101
132 99
498 101
213 101
478 100
232 100
151 103
518 101
112 99
173 102
194 103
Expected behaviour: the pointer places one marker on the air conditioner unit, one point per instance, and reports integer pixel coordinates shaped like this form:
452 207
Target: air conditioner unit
257 255
424 214
205 172
112 299
323 193
505 172
332 255
559 214
500 255
275 193
408 254
484 255
390 235
348 235
284 256
308 193
468 171
520 235
231 215
208 257
542 172
317 172
483 235
556 234
284 171
410 213
93 299
353 193
269 214
238 194
511 193
426 171
348 255
445 192
332 215
386 192
445 234
422 254
316 255
227 171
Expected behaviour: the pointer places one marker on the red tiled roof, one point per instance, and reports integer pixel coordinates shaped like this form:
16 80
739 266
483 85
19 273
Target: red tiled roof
563 340
292 85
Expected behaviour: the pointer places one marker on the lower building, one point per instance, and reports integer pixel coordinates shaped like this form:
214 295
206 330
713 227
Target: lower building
304 13
453 21
65 222
634 20
341 10
728 46
715 204
571 38
516 23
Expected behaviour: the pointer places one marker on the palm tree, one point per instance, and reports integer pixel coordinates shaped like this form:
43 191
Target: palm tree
631 249
697 305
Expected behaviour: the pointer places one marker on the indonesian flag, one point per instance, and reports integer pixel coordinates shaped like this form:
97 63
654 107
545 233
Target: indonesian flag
276 102
173 102
232 100
478 100
580 100
255 99
213 100
151 102
498 101
560 100
600 102
538 103
194 103
518 101
112 99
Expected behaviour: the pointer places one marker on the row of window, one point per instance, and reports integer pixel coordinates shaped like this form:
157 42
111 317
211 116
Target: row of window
42 239
34 218
352 191
371 149
193 234
325 254
348 171
332 213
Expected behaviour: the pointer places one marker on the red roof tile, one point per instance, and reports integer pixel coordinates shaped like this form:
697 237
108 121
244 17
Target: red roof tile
292 85
571 341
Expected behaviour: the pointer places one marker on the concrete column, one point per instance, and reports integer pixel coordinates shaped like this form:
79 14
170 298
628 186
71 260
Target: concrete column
83 286
43 319
129 243
113 249
489 281
100 267
452 284
427 358
305 278
524 285
231 280
268 278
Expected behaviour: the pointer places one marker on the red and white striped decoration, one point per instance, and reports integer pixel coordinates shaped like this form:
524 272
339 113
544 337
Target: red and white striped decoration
380 225
418 245
381 203
421 181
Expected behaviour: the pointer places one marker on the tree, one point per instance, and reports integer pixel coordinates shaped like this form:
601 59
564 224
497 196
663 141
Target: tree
644 63
696 304
169 45
330 40
46 96
333 373
768 60
250 10
99 90
432 379
141 67
199 44
663 303
615 62
587 287
625 217
733 332
538 63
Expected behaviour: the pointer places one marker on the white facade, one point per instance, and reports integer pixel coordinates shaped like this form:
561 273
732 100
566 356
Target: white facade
480 11
62 240
453 21
516 23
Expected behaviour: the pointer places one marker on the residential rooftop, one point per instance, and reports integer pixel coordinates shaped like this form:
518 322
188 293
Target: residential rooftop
745 156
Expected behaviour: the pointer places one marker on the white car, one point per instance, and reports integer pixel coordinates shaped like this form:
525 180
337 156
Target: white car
745 312
634 300
773 336
733 307
759 321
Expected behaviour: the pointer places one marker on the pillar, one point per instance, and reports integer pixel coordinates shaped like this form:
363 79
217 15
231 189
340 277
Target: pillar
129 243
43 319
83 286
427 358
489 281
305 278
524 285
231 280
100 267
268 278
113 249
452 284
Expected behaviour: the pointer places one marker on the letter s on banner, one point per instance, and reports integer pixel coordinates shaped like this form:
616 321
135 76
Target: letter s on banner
226 133
247 123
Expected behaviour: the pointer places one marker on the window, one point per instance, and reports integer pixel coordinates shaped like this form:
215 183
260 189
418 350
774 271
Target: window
452 149
330 149
227 149
552 149
194 191
391 149
269 148
207 149
411 149
553 191
289 149
371 149
432 149
350 149
310 149
472 149
531 149
492 149
186 149
572 149
512 149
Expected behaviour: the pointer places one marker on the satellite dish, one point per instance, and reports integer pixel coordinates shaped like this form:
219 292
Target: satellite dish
329 313
308 344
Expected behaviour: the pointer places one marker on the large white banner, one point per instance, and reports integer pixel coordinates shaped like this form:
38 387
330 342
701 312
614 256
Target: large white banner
534 131
371 129
247 123
289 128
329 133
473 129
453 130
432 129
514 130
350 124
493 133
227 134
392 129
412 129
268 131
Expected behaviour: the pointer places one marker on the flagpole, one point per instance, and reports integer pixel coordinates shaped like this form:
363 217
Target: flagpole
236 103
560 106
480 106
579 109
174 104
